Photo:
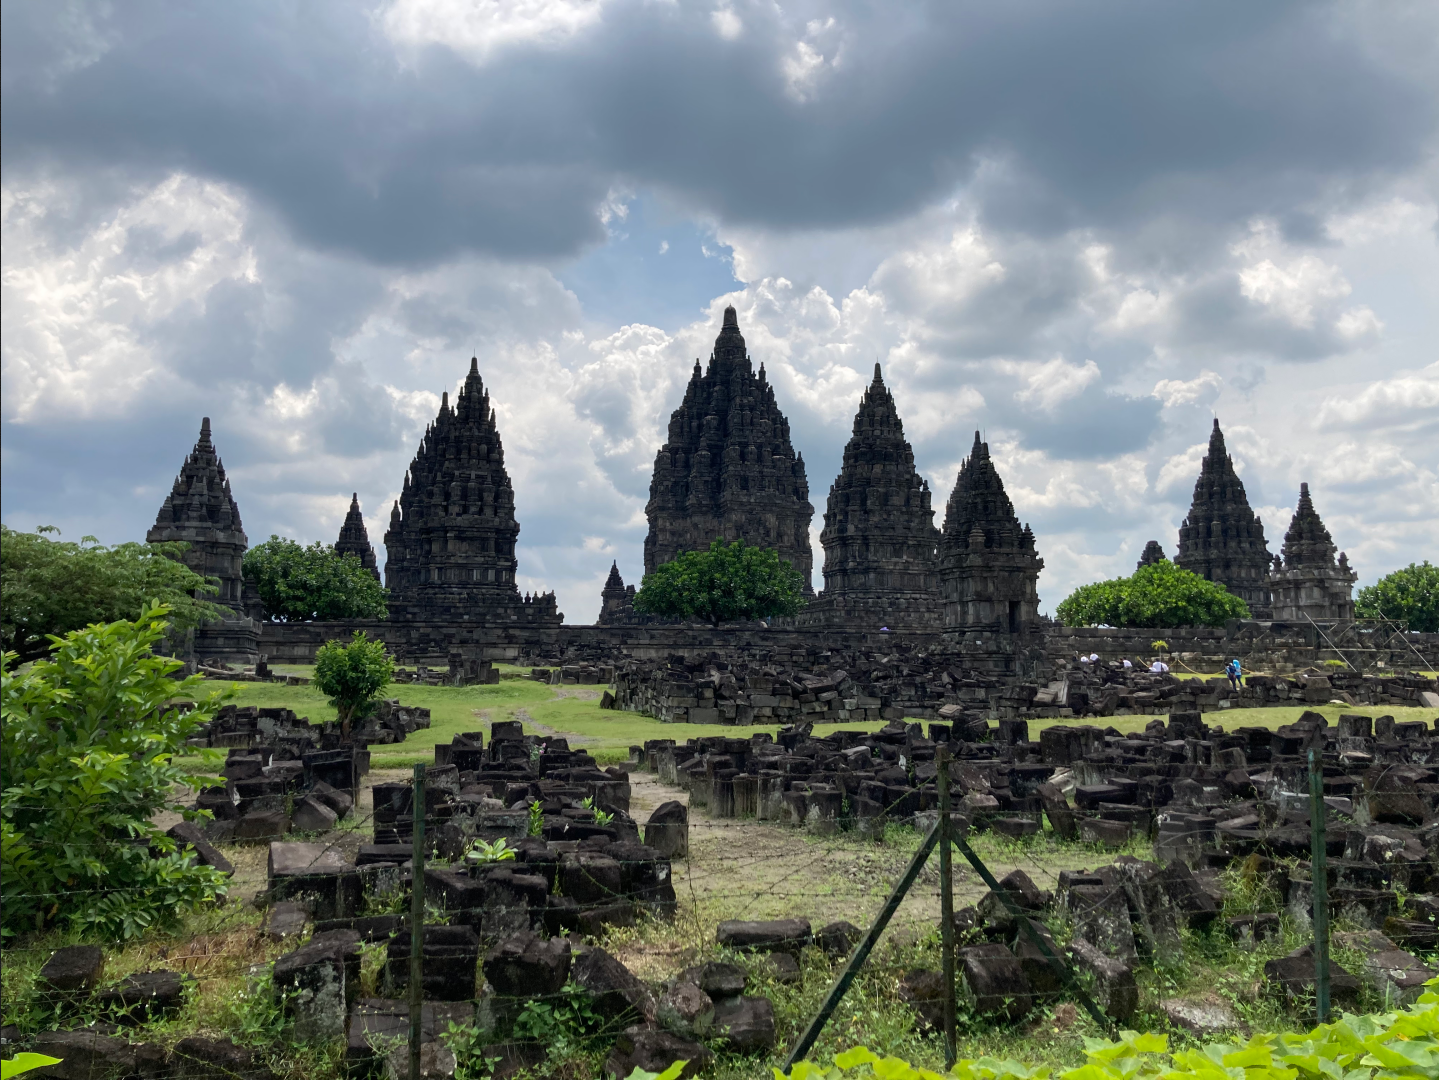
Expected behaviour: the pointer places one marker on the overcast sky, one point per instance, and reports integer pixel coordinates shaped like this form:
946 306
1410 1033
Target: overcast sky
1085 229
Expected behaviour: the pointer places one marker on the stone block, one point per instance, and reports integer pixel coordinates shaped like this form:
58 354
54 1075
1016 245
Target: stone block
1189 898
993 981
1101 917
378 1024
1397 975
261 826
188 835
838 939
745 1024
1293 976
450 956
510 1059
614 991
1108 834
1247 931
1156 928
718 980
341 802
285 920
1057 810
783 968
437 1062
144 996
317 875
85 1055
1014 827
685 1010
311 815
312 981
654 1051
1114 986
197 1058
74 969
1205 1019
591 878
667 830
923 991
526 966
776 935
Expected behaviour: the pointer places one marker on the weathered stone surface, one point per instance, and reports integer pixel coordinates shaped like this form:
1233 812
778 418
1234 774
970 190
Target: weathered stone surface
261 826
776 935
838 939
923 991
993 980
1202 1018
727 468
85 1055
685 1010
512 1058
1156 929
1189 898
197 1058
783 968
716 979
1247 931
1111 835
526 966
1057 810
654 1051
989 569
437 1062
354 538
746 1024
879 536
312 815
591 878
450 547
312 979
1308 582
1101 917
1222 539
450 959
341 802
615 992
73 969
285 920
188 836
668 831
1294 977
378 1024
1114 985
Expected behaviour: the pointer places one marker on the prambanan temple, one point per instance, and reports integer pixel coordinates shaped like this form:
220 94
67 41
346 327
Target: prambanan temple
728 469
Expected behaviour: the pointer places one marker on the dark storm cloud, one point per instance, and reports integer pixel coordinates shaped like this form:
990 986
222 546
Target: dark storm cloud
1100 113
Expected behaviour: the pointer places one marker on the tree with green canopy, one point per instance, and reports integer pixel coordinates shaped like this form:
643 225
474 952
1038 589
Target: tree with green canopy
352 675
725 583
87 760
298 583
1160 594
52 587
1409 596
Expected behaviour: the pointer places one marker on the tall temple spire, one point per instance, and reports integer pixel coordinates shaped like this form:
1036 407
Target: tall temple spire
879 537
1308 582
450 548
1222 539
989 568
727 468
355 539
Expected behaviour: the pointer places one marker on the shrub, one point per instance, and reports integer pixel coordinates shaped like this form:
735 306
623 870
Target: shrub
297 584
1409 596
86 759
725 583
353 675
1160 594
53 587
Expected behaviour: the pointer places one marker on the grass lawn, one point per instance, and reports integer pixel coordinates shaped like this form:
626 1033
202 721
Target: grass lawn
574 712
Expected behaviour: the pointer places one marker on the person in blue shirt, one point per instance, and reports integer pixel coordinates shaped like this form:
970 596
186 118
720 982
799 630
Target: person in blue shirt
1232 670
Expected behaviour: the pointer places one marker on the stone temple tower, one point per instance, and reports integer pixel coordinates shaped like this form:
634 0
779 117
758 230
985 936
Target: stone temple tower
1308 582
355 540
201 511
880 562
988 566
728 469
1222 539
450 548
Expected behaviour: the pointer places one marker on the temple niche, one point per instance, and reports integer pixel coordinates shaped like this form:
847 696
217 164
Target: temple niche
200 511
450 548
988 566
880 562
1222 539
1308 582
727 468
355 539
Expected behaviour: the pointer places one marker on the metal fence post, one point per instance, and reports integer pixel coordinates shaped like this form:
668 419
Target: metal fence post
946 905
1319 876
417 919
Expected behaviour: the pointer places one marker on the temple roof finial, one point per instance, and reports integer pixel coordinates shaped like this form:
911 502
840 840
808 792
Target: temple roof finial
730 317
474 365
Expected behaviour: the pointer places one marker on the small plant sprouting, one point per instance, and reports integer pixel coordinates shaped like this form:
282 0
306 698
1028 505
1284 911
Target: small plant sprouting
1159 646
484 853
537 819
602 817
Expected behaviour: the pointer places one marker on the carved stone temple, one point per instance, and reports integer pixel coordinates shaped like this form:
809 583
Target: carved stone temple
728 469
1151 554
1308 582
988 566
881 567
450 548
201 511
1222 539
355 539
617 601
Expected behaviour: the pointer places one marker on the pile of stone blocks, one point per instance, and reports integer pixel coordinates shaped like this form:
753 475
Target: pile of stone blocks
266 794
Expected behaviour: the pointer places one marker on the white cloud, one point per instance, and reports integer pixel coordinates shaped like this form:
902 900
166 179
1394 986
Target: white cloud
1300 288
1181 392
726 23
1050 384
1395 216
1394 404
479 28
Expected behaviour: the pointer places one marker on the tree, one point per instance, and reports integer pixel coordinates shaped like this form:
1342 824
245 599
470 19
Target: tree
1160 594
86 760
1410 596
352 676
727 582
301 583
54 587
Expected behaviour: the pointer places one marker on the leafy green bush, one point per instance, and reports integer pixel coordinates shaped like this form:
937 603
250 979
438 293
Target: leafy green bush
86 759
1388 1046
53 587
353 675
725 583
1160 594
1409 596
297 583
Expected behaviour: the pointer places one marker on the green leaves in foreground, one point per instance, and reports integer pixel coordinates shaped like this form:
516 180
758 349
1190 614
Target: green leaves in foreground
353 675
726 583
86 761
1160 594
23 1063
1387 1046
1409 596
